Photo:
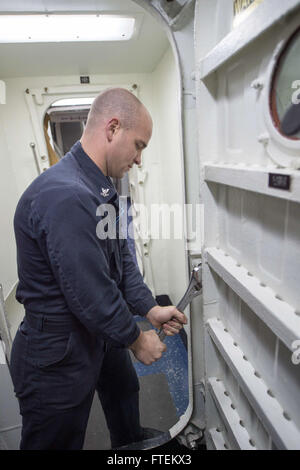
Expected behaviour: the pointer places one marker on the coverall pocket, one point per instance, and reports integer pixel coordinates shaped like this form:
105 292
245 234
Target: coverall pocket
18 359
56 359
66 381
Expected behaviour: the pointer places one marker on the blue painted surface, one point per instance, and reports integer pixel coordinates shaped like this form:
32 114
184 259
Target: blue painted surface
174 364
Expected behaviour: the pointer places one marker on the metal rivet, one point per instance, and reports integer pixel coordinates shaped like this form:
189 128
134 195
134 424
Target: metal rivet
226 446
235 344
257 84
278 297
232 406
226 393
218 430
269 392
262 284
287 416
264 139
257 374
242 423
297 312
245 358
225 329
250 274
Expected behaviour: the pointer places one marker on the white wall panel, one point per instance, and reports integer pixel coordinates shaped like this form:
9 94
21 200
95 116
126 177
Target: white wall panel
169 177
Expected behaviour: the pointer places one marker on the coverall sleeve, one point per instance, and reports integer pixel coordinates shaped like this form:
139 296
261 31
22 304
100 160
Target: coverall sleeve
136 293
79 262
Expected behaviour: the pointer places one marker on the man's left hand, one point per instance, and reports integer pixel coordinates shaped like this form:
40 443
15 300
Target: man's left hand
171 319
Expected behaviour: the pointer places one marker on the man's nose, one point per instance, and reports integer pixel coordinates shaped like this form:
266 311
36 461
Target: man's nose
138 158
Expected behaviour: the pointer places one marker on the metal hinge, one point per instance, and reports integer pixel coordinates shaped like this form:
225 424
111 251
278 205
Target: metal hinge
191 437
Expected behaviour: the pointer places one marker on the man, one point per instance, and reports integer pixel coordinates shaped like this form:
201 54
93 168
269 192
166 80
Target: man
77 289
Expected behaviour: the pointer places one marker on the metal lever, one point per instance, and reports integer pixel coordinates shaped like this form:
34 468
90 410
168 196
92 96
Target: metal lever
32 145
193 290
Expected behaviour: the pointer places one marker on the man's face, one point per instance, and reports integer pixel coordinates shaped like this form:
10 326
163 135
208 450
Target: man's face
127 145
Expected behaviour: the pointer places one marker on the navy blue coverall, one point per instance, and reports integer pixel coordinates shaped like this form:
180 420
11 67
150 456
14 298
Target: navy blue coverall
80 293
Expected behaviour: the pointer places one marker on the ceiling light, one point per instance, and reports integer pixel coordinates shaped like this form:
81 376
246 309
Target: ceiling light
65 28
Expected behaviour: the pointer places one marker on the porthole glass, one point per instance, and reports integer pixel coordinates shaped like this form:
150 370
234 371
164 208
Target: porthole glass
285 90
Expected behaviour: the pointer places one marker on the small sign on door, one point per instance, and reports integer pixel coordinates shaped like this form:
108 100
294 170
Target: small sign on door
279 181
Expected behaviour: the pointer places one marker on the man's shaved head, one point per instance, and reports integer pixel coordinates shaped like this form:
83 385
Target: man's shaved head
115 103
118 129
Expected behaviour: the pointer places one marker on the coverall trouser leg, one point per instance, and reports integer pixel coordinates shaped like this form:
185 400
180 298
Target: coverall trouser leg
56 391
118 390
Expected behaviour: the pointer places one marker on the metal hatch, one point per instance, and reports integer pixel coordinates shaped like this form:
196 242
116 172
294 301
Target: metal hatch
250 181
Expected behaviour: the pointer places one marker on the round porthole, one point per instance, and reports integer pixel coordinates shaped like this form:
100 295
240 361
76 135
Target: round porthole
285 90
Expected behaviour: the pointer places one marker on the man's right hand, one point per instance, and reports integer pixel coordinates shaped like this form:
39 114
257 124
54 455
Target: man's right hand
148 348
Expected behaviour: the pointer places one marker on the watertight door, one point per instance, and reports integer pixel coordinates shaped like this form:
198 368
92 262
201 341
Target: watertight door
249 141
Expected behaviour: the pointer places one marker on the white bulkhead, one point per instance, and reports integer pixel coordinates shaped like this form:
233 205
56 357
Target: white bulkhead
251 243
219 78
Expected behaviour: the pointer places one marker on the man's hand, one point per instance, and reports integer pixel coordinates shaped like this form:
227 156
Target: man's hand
148 348
171 319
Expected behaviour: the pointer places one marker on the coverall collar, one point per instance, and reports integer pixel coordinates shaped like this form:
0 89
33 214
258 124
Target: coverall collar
103 184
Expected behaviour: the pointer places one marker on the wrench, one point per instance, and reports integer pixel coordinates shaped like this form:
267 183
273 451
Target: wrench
194 289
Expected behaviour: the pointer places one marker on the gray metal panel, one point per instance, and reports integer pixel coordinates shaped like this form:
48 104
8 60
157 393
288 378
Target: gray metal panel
10 419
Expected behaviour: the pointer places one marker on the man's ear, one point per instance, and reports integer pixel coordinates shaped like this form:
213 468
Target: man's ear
112 128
